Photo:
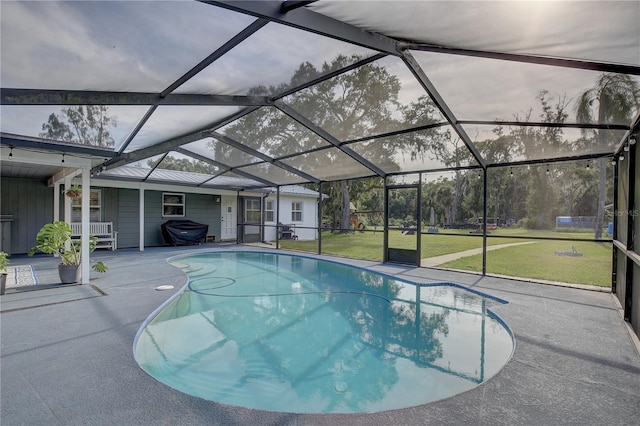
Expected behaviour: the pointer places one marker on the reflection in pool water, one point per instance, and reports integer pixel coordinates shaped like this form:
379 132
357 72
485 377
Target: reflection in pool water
296 334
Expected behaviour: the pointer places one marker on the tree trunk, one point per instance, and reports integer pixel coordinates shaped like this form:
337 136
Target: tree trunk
457 196
344 195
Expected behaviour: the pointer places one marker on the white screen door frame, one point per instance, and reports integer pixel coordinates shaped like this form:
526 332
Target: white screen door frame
229 218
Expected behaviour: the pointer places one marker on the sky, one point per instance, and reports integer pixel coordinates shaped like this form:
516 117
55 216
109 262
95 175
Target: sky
599 30
145 46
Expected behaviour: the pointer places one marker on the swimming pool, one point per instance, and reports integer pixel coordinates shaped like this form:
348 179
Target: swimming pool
297 334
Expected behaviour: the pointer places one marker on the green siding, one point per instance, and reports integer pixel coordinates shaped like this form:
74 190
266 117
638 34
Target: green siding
128 218
201 208
31 204
153 218
110 206
120 206
205 209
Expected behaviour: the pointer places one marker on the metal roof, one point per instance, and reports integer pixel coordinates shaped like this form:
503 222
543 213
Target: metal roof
271 93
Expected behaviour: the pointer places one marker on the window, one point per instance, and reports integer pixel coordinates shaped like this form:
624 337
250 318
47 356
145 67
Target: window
252 210
95 209
172 205
268 211
296 211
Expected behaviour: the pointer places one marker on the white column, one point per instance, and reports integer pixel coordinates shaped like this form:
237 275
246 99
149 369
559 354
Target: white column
56 201
86 192
67 201
141 230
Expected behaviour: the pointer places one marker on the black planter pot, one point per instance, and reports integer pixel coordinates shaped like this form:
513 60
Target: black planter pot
69 274
3 282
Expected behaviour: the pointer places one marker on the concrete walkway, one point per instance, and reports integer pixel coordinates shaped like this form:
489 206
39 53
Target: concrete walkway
439 260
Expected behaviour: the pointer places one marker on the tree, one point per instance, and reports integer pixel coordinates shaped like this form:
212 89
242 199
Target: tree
437 145
351 105
499 182
542 200
84 124
578 192
184 165
615 95
473 196
541 143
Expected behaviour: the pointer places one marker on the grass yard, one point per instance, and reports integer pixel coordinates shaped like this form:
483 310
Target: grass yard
585 234
368 245
536 260
539 261
438 245
365 245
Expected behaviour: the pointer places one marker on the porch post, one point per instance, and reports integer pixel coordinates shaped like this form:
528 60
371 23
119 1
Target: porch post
56 201
86 192
141 210
67 200
278 217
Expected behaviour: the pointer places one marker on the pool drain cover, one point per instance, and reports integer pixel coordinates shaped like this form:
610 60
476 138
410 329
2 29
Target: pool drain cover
340 387
164 287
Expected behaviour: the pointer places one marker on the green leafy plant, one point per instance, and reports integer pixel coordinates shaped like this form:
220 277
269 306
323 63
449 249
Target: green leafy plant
74 191
4 261
55 238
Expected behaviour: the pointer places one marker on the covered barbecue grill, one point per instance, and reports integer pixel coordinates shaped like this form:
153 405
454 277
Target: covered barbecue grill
184 232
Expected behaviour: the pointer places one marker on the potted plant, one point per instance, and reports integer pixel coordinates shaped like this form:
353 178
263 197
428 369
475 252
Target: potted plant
4 261
74 191
55 238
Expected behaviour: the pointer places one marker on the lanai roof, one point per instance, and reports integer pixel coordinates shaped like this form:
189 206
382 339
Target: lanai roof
251 89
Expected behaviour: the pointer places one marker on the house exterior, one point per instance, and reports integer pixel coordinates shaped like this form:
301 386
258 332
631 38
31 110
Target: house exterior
298 208
138 209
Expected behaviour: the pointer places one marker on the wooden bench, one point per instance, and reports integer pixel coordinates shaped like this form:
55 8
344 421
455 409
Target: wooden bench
103 231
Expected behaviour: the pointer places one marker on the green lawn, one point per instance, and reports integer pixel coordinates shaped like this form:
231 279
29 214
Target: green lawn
538 260
368 245
535 260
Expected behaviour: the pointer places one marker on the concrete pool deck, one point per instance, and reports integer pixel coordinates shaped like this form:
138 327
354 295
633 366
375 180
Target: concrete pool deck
67 358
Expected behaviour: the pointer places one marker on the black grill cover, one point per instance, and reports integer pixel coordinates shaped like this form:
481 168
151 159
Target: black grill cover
184 232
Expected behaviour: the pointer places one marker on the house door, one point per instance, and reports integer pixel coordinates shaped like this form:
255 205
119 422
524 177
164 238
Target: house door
229 219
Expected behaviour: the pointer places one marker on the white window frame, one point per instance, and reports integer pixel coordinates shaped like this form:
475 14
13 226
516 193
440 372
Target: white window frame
296 211
178 204
269 211
252 213
76 207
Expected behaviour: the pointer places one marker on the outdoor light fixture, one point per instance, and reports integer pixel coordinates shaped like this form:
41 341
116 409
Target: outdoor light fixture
621 158
632 140
63 158
510 171
626 147
547 169
613 161
588 164
10 152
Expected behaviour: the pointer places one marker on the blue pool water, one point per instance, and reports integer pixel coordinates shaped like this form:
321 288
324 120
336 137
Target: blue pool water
297 334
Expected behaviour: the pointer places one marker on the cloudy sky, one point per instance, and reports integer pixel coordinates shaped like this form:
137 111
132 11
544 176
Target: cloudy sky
144 46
